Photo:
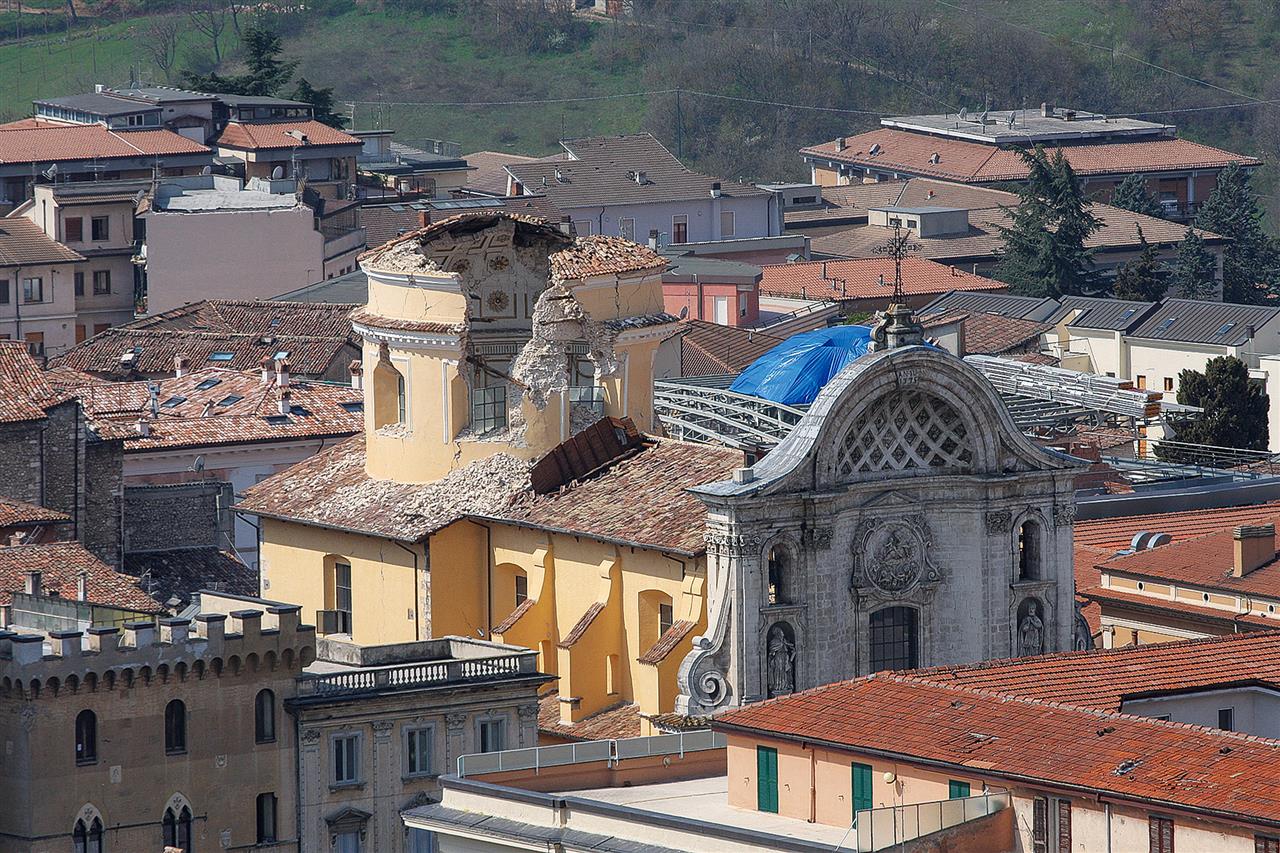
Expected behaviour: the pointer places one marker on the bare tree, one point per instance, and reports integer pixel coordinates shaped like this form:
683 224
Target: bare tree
210 17
160 41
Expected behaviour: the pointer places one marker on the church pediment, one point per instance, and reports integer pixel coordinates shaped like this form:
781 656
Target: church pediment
891 499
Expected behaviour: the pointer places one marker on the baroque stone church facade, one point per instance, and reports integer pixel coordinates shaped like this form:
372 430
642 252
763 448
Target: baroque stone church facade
905 522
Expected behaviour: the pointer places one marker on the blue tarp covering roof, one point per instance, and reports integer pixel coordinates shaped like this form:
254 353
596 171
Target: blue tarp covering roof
795 370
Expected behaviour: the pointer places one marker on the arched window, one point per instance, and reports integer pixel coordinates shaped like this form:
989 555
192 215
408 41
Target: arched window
87 837
779 570
264 717
86 737
390 400
175 727
1029 551
177 828
894 639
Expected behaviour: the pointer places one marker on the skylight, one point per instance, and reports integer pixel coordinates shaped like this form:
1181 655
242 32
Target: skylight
1128 312
299 410
207 384
284 353
173 401
1166 324
230 399
353 407
1224 328
221 356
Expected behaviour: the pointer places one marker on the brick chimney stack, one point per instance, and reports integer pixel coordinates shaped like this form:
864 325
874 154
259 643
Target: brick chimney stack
181 364
282 372
424 218
266 364
357 374
1255 546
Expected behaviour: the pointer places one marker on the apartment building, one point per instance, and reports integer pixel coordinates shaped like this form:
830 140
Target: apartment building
38 277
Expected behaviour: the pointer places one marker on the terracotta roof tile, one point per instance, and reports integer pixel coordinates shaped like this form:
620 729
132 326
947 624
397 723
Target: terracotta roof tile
667 643
620 721
860 279
490 175
993 334
709 349
27 394
46 142
1203 561
1116 533
22 242
16 513
367 318
600 255
583 625
514 616
180 572
1007 736
60 564
276 134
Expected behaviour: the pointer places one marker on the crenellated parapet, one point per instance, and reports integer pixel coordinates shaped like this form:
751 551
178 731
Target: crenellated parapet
213 644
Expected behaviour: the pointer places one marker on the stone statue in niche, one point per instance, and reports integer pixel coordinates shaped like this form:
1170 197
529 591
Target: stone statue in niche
1030 631
781 660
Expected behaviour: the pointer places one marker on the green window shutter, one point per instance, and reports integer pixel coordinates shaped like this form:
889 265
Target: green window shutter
766 779
861 788
957 790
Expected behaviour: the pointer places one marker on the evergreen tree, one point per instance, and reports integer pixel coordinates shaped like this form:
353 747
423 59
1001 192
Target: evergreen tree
1251 262
1044 252
321 101
267 73
1142 278
1195 272
1132 194
1235 410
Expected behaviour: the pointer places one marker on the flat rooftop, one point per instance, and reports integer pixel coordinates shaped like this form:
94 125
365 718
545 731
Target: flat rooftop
1020 127
707 800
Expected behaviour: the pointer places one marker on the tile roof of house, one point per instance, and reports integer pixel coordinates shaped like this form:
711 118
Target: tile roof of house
1200 321
974 162
619 721
490 175
219 406
27 394
332 490
16 513
1101 313
579 629
1009 736
1118 231
993 334
850 202
603 173
228 333
1105 678
1202 561
46 142
659 513
862 279
280 134
22 242
670 640
597 254
60 564
1220 620
709 349
1004 304
1117 533
181 572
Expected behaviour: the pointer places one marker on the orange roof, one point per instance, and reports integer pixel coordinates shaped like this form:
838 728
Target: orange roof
47 142
905 152
598 254
1203 561
861 279
16 513
1116 533
60 564
279 134
1229 775
1178 609
26 394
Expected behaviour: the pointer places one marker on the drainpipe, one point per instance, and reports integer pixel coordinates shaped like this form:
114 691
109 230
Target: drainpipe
697 283
813 785
417 600
17 303
488 582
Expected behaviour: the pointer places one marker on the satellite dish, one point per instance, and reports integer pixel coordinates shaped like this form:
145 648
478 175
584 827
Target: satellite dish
684 312
198 464
964 112
207 170
1010 120
277 173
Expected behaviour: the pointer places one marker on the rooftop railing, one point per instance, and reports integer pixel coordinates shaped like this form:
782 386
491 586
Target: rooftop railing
410 676
610 751
884 828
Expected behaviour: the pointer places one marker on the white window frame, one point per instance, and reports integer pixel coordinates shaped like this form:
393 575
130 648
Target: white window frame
407 739
732 230
39 280
351 779
625 224
582 227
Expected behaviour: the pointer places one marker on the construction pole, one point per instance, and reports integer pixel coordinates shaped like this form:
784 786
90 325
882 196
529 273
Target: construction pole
679 129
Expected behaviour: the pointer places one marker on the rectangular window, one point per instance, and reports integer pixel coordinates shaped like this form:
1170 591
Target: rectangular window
1039 825
680 228
33 290
1160 833
346 759
347 842
766 779
401 405
720 310
266 818
1168 383
418 751
489 409
957 790
1263 844
101 228
101 282
1227 719
582 227
627 228
35 343
73 229
1064 826
421 841
1142 381
522 589
4 291
79 280
728 223
861 788
342 596
666 618
493 735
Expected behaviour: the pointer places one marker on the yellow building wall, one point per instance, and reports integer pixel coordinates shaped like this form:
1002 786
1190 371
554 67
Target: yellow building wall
383 589
458 582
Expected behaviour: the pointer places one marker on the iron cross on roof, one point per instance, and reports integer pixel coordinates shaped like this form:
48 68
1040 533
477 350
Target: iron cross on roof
897 247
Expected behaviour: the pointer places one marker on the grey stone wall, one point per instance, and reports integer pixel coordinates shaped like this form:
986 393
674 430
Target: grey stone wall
181 515
102 530
20 461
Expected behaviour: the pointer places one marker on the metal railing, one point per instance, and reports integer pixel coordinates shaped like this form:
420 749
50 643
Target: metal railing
610 751
882 828
411 675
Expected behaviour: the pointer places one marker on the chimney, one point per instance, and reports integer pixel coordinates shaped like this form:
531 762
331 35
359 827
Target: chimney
357 374
715 190
181 364
642 178
34 582
841 144
653 239
266 369
1046 110
424 218
1255 546
207 410
144 427
15 539
82 586
282 372
285 404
